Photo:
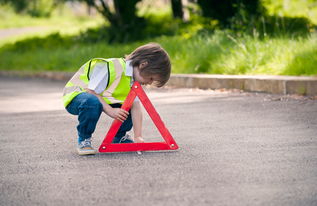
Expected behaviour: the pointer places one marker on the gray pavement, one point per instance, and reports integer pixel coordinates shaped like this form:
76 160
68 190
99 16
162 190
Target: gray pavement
235 149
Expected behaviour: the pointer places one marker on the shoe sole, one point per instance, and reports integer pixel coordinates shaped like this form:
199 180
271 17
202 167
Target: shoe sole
88 152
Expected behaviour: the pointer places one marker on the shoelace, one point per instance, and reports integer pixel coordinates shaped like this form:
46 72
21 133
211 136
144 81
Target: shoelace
124 138
86 143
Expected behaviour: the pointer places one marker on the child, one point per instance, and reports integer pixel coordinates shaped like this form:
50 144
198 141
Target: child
101 85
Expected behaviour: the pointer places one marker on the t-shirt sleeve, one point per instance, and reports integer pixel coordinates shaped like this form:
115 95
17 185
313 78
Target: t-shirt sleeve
99 78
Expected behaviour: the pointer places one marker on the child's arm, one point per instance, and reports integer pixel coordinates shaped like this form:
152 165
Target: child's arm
116 113
136 112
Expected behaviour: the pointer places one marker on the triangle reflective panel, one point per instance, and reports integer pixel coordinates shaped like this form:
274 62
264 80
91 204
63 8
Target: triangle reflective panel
168 144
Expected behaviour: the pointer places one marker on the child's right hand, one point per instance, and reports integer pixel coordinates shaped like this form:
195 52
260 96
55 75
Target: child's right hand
118 113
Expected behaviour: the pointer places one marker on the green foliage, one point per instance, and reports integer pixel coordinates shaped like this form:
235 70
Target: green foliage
61 19
122 17
268 44
35 8
41 8
304 62
221 52
251 17
292 8
227 10
18 5
153 25
150 26
51 41
273 26
196 54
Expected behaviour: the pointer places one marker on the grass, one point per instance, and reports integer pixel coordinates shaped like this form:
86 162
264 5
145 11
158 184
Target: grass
223 54
59 16
218 53
61 21
191 51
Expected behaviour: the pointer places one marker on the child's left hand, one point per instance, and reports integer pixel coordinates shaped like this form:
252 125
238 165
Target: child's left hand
138 140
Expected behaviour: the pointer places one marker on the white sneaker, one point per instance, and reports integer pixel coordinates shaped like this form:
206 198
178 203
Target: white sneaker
126 139
85 148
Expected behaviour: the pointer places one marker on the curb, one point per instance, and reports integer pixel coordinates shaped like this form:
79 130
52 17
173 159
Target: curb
61 76
301 85
267 84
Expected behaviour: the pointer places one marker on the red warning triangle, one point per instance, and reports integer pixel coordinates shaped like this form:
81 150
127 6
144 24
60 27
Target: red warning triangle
168 144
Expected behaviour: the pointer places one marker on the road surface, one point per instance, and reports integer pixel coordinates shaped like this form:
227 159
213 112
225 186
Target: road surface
235 149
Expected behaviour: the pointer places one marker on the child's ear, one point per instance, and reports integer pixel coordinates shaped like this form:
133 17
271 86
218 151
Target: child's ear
143 64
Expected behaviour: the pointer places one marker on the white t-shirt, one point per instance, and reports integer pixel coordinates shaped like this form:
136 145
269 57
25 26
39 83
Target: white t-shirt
99 77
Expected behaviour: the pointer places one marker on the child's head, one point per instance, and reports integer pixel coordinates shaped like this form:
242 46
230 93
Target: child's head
151 63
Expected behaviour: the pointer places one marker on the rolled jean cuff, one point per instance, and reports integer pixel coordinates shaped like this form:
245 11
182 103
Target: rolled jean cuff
82 137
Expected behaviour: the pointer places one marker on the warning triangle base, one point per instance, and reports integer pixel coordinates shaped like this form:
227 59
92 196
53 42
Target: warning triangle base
169 144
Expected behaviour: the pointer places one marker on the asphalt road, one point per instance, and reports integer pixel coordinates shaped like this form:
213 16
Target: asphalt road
235 149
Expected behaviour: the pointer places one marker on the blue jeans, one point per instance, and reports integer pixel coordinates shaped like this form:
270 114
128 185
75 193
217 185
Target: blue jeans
88 108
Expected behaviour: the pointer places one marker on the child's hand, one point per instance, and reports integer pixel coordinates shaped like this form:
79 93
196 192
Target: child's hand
138 140
118 113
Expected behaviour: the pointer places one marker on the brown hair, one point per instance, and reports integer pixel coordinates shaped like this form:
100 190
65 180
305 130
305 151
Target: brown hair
158 62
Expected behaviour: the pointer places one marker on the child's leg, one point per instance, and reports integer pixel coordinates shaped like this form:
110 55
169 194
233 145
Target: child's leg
88 108
124 128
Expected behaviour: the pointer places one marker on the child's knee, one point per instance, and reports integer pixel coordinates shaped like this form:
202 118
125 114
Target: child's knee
93 103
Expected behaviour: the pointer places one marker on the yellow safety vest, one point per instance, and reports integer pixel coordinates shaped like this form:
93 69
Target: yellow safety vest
118 83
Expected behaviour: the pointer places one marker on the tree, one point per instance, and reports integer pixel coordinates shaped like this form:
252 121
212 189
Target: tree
123 14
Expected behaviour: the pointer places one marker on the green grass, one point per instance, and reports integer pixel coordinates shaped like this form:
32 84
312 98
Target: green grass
219 53
61 21
224 54
59 17
191 48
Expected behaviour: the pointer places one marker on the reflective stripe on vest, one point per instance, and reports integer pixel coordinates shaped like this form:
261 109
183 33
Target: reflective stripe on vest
118 83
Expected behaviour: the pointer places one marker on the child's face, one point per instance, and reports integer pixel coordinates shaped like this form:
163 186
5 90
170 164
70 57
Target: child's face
142 79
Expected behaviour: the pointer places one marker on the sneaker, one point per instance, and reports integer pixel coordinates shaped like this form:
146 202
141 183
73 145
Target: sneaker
85 148
125 139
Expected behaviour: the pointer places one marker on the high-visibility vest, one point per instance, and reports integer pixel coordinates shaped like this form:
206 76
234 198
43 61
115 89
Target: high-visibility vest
118 83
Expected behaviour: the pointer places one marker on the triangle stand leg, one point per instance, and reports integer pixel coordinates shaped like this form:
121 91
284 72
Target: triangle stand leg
168 143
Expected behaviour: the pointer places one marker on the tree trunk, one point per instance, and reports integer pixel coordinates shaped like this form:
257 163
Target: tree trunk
177 8
125 11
